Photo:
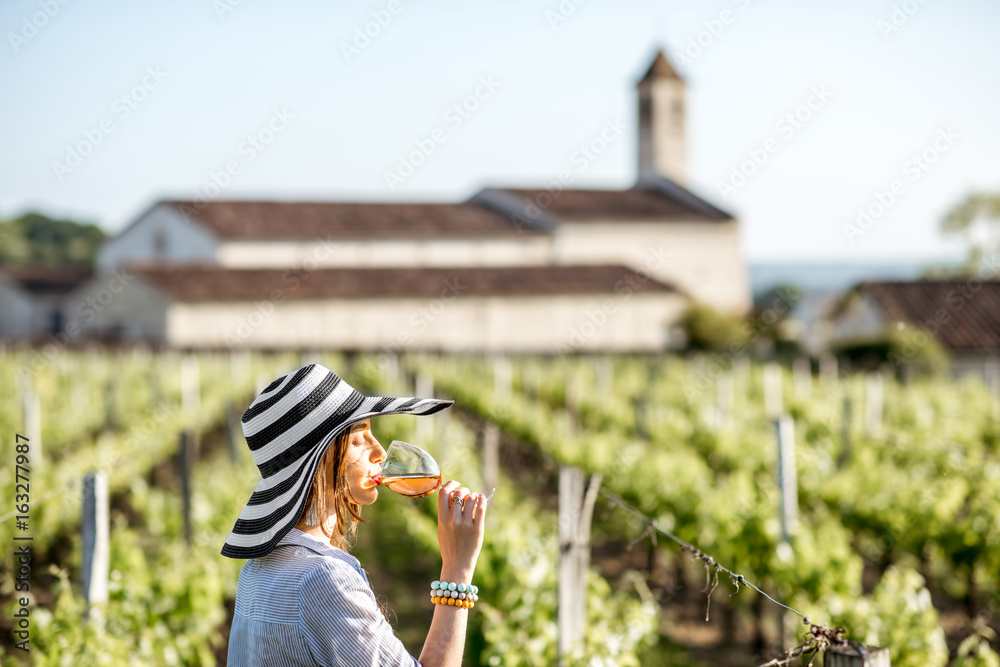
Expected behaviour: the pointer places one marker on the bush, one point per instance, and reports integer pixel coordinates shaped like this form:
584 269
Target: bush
708 330
907 350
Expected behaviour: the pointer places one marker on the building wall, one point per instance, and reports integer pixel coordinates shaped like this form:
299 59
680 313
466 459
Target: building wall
628 321
702 259
863 318
497 251
118 306
183 241
17 319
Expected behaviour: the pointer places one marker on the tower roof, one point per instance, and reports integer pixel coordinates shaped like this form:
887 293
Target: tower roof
660 69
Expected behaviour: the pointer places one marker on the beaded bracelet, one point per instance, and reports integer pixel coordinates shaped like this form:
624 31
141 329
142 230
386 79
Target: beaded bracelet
456 595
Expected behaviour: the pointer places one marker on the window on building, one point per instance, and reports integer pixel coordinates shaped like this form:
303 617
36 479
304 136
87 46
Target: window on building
159 244
56 322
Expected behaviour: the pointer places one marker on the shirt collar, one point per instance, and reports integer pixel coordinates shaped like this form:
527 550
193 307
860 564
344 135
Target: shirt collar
302 539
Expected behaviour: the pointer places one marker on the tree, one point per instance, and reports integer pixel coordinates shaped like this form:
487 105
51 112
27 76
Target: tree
977 220
34 238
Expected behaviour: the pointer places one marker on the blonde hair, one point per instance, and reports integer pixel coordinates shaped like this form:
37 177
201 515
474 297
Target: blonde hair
330 483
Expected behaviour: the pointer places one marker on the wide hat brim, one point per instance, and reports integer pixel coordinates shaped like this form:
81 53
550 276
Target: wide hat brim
288 427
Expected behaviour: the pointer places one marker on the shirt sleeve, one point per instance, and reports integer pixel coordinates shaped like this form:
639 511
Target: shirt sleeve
342 623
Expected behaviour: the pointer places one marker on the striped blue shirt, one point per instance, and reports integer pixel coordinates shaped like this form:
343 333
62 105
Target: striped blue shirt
308 603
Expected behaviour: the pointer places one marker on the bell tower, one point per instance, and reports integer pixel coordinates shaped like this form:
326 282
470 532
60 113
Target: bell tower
662 131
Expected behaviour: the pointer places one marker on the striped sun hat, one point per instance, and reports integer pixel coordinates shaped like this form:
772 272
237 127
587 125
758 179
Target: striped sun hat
288 427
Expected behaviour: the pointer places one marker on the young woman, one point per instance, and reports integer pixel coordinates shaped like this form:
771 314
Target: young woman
301 598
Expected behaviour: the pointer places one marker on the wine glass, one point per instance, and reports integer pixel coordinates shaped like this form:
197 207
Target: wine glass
410 471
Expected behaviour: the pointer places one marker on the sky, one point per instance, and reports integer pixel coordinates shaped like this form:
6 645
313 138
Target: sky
800 116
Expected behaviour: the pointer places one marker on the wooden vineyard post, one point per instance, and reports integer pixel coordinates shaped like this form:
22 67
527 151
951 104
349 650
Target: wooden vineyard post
95 540
772 390
190 384
828 368
991 377
309 356
741 378
845 435
787 480
802 375
604 375
639 409
864 656
33 424
724 400
502 379
109 405
185 460
423 386
491 455
873 404
576 509
239 366
233 431
263 380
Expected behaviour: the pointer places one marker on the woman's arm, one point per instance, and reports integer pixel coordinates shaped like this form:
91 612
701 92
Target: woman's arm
460 535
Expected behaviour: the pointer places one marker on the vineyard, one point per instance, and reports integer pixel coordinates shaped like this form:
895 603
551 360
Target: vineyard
896 531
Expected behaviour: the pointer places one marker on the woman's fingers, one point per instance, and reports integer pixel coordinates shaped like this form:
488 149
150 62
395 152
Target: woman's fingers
458 503
445 494
478 508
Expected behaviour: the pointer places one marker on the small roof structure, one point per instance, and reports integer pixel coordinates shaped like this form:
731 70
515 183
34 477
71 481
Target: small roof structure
967 312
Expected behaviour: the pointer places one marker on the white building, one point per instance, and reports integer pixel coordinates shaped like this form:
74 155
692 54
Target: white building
575 245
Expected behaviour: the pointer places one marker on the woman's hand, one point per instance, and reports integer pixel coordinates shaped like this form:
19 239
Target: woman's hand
460 531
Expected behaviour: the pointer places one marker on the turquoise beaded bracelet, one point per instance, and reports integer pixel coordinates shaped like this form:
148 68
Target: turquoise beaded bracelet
454 594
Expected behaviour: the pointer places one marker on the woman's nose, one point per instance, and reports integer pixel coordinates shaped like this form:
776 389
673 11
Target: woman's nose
378 454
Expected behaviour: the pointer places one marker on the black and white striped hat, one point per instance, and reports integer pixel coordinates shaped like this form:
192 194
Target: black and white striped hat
288 427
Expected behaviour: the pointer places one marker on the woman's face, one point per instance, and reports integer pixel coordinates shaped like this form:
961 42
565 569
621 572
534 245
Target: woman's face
362 460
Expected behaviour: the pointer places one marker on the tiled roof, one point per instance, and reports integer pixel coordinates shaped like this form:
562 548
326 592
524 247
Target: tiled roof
37 279
213 283
664 200
252 220
660 68
973 317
